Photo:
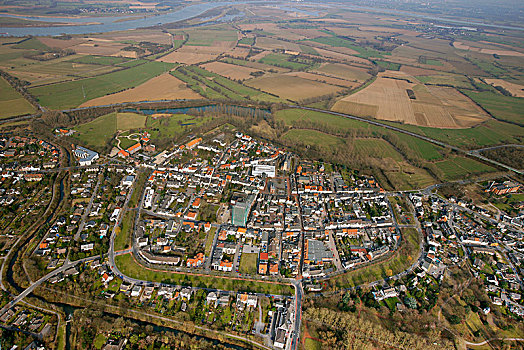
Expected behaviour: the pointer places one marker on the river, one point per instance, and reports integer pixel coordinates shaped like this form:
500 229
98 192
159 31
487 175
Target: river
86 25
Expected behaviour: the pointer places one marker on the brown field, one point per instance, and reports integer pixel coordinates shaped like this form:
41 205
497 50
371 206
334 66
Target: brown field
187 56
229 70
433 106
163 87
238 52
324 79
272 44
515 89
61 44
292 88
262 66
340 56
103 48
462 46
261 55
344 71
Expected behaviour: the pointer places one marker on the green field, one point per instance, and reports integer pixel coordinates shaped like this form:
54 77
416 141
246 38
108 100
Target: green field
247 41
502 107
32 44
461 167
208 36
455 80
12 103
387 65
248 263
215 86
123 233
426 150
489 133
102 60
128 266
376 148
284 61
73 93
364 52
173 126
97 133
313 137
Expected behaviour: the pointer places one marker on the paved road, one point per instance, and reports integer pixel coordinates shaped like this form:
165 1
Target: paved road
67 265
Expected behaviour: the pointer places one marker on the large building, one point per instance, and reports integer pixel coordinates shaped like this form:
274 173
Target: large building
241 211
85 156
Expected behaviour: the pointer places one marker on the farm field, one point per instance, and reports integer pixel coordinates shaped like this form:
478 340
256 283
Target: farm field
230 71
313 137
461 167
292 88
501 107
376 148
417 104
458 81
515 89
162 87
98 132
12 103
74 93
285 61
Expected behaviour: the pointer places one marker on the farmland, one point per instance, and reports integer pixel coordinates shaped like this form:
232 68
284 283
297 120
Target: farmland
460 167
291 87
11 102
505 108
390 99
73 93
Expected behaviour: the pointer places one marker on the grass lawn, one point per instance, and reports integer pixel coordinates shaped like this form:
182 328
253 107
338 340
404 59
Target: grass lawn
341 42
99 341
12 103
137 192
123 234
312 344
401 260
99 132
130 267
73 93
248 263
209 241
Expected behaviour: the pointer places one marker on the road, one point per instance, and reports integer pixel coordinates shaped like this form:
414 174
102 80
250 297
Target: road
67 265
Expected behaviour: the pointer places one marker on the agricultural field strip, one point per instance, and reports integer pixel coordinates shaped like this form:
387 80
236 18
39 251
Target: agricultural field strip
406 132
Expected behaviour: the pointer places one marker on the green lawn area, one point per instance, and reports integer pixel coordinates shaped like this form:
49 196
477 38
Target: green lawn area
97 133
99 341
461 167
12 103
209 241
248 263
123 234
32 44
312 344
173 126
129 267
401 260
387 65
73 93
139 186
459 81
502 107
247 41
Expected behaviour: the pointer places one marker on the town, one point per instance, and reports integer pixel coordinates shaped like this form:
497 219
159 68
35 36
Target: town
229 206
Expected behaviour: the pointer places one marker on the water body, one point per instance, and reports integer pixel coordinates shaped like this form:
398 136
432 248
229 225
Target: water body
186 110
108 24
